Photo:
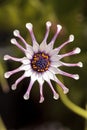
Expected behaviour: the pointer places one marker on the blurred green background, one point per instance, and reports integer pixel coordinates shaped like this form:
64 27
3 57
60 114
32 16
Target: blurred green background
17 113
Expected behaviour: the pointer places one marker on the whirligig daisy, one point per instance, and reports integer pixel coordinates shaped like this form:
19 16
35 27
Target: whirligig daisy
41 62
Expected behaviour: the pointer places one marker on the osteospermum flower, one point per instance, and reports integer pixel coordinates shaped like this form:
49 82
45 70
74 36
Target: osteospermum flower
41 62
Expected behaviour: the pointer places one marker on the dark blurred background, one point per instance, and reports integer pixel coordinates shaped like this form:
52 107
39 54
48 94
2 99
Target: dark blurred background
17 113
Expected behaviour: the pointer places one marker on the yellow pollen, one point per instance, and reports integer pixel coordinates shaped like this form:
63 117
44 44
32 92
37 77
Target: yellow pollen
40 62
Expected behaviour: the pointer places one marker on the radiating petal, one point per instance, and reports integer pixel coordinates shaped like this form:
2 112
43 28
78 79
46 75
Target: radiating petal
28 73
53 52
53 70
55 58
56 64
27 94
43 46
14 86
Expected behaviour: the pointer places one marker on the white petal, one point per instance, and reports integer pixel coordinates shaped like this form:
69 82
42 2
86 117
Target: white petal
49 48
43 46
56 63
55 58
53 52
34 76
25 60
28 54
40 78
25 67
36 47
45 76
30 50
54 70
28 73
50 75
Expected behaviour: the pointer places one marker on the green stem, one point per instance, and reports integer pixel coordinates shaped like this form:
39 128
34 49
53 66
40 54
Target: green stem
76 109
86 120
2 126
3 81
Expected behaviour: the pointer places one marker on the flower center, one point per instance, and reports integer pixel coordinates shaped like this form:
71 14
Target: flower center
40 62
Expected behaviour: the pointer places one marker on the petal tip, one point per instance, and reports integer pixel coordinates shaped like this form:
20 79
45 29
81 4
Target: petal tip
26 96
13 41
7 75
29 26
77 50
59 27
6 57
13 87
76 76
48 23
56 96
16 33
71 38
66 90
41 99
80 64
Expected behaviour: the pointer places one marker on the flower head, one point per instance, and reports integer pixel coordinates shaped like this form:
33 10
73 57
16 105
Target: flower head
41 62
